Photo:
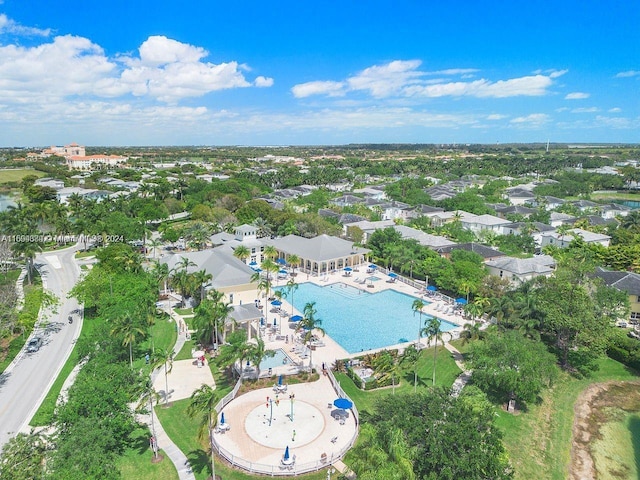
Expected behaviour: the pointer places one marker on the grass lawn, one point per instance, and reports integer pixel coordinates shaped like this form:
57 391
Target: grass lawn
539 440
135 463
446 373
11 175
185 352
183 311
633 197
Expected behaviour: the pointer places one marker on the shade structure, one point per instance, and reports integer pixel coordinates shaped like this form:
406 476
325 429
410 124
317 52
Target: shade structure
432 288
276 303
253 264
461 301
258 270
281 261
295 318
393 275
348 269
282 272
372 266
343 403
286 453
280 379
222 418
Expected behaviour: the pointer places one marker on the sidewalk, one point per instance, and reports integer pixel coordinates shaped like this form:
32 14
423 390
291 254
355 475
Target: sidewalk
465 376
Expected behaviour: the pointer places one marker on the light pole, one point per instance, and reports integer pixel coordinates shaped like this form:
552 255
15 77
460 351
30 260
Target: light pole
291 398
329 472
271 414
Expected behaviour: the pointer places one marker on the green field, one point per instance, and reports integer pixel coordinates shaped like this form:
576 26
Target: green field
539 440
11 175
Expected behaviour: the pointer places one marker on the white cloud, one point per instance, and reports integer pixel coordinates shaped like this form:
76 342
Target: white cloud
576 96
465 72
401 78
628 73
165 70
331 89
533 120
263 82
11 26
615 110
496 116
585 110
385 80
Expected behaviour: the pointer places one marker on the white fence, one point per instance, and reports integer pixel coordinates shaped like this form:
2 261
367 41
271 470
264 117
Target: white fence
277 470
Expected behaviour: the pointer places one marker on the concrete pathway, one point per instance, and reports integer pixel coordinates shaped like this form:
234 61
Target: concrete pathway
465 376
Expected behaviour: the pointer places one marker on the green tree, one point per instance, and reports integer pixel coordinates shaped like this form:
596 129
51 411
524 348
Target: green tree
202 405
163 357
511 366
126 328
24 456
309 325
433 331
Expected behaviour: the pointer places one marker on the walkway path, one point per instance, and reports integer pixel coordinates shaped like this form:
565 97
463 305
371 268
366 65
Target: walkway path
465 376
177 457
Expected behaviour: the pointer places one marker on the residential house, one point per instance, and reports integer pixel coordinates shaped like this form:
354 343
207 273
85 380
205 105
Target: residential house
484 223
563 240
627 282
426 239
520 270
487 253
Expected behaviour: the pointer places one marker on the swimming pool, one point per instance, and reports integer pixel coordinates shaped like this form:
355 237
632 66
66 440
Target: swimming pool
359 320
278 360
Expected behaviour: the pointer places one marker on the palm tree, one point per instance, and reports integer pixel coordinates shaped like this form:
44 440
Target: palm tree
236 350
432 330
241 252
293 260
474 310
126 328
203 403
411 356
28 250
160 272
201 277
154 243
417 306
309 323
150 395
257 353
270 252
164 357
291 286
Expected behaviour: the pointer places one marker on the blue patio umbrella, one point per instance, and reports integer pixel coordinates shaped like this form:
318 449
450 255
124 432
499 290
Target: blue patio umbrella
393 275
461 301
282 272
286 453
280 380
295 318
276 303
258 270
253 264
222 418
281 261
261 321
343 403
372 266
348 269
274 322
432 288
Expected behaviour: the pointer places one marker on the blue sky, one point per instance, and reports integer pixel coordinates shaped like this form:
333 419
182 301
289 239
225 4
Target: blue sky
293 72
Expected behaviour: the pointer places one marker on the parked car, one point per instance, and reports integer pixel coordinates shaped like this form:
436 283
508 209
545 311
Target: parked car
34 344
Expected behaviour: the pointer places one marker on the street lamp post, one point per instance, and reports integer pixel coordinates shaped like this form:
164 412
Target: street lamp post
291 398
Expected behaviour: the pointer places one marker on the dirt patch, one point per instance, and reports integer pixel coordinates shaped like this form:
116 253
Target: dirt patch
593 409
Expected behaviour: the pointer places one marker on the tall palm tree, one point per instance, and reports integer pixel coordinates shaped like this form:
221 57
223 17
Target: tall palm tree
129 331
294 261
201 278
154 243
149 395
163 357
241 252
270 252
291 286
308 324
203 403
417 306
411 356
236 350
432 330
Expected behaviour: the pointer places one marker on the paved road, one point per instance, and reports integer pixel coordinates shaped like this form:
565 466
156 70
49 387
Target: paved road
26 382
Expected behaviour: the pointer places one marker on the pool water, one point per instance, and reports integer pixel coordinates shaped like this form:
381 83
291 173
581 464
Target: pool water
359 320
277 360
